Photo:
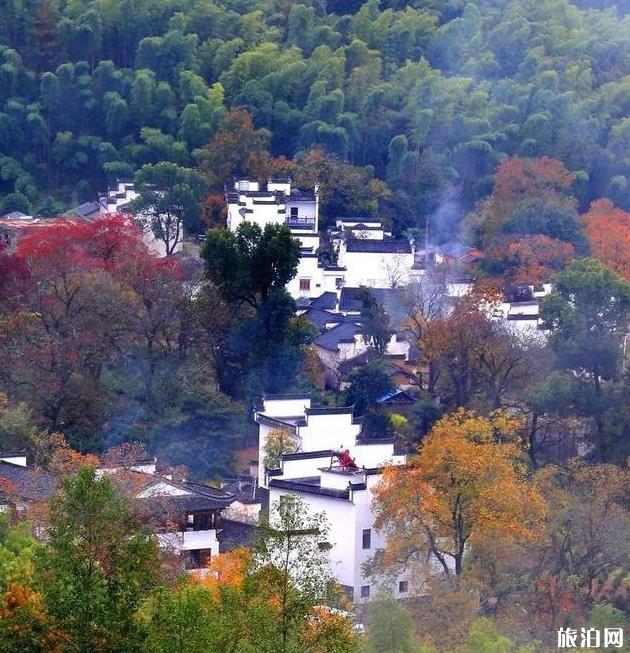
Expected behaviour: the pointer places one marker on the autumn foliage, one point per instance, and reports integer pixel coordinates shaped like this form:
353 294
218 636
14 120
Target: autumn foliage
517 180
227 570
608 229
528 259
465 486
84 292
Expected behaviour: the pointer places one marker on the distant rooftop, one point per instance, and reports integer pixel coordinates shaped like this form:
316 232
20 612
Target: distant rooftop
344 332
28 483
327 300
389 246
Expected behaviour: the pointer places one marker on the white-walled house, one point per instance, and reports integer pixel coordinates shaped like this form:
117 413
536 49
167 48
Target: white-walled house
346 341
190 514
188 518
313 278
343 494
275 202
379 263
363 228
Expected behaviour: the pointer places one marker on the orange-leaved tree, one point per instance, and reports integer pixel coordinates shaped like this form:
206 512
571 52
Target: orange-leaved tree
228 569
474 359
464 487
517 180
527 259
608 229
328 631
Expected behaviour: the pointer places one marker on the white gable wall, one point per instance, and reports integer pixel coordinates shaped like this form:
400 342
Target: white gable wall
285 407
376 269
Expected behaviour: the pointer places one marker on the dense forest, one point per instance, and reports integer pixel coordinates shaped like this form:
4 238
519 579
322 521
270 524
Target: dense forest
427 96
501 124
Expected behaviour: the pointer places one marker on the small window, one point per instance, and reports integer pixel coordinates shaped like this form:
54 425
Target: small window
294 211
367 538
402 587
365 591
305 285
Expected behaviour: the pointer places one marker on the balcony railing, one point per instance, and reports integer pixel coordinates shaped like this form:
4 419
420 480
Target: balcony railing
296 222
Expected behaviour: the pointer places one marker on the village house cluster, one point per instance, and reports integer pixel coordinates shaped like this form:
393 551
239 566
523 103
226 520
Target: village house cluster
334 465
188 517
333 470
357 253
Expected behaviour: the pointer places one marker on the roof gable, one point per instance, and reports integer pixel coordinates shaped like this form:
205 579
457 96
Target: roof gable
344 332
388 246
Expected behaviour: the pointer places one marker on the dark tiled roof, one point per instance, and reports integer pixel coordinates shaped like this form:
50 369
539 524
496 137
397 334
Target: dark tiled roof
302 195
303 302
272 421
243 491
330 410
321 318
294 395
308 486
85 209
234 534
349 299
27 482
343 332
327 300
200 497
388 246
362 218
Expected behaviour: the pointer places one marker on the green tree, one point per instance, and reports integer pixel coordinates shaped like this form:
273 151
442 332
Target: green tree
552 219
292 544
24 623
98 565
251 263
485 637
49 208
169 201
390 627
367 384
181 619
14 202
588 314
17 426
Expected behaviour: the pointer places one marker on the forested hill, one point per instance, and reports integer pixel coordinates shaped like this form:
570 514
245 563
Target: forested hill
431 93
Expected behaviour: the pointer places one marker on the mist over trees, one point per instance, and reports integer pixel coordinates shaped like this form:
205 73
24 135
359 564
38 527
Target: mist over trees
425 96
503 125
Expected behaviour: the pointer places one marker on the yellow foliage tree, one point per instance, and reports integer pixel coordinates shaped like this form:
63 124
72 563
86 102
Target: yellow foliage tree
279 441
465 486
228 569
